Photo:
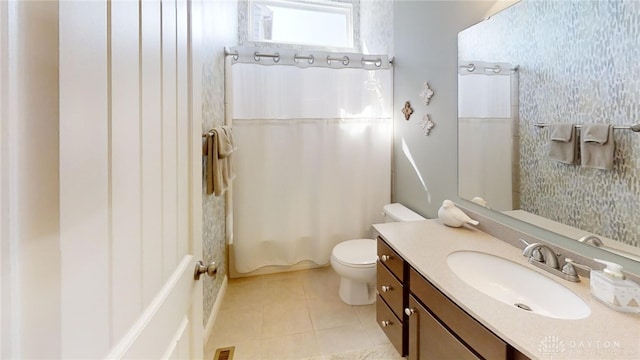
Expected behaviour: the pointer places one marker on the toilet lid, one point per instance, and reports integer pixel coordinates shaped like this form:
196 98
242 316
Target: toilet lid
357 252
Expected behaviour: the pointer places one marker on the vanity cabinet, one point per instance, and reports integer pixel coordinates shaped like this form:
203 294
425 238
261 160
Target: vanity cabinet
429 325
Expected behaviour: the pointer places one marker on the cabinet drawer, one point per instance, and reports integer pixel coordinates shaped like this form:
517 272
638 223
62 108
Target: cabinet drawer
390 259
390 289
393 328
475 335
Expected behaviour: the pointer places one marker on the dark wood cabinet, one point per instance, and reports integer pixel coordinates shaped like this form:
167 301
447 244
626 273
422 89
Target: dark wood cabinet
429 339
392 292
423 323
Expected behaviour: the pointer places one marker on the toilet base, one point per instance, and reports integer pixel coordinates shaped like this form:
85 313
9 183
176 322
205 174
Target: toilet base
356 292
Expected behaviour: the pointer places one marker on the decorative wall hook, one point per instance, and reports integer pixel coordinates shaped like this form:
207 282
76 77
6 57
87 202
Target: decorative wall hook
407 110
426 93
426 124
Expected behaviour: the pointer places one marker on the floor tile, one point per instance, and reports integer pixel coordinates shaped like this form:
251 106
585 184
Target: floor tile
283 289
322 283
285 318
244 293
296 346
237 325
366 314
327 314
342 339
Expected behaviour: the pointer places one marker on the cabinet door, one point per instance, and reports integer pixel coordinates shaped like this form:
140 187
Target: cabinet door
428 339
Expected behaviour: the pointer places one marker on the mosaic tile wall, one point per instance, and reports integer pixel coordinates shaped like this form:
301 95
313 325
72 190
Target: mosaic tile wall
220 30
578 64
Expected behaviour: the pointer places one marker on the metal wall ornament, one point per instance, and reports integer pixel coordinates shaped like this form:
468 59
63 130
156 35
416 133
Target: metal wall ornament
426 124
407 110
426 93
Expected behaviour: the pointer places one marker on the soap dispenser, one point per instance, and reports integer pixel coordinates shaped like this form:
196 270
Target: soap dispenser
610 287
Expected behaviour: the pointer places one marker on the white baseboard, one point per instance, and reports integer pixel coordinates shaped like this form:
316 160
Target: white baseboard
215 309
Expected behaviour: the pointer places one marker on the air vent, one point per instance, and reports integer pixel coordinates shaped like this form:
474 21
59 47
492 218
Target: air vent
224 353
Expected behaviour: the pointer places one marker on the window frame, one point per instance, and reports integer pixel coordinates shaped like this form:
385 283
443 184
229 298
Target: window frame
349 8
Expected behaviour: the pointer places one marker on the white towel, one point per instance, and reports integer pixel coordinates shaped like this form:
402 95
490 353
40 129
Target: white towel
562 143
597 146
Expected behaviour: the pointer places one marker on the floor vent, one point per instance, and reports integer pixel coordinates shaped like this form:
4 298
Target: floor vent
224 353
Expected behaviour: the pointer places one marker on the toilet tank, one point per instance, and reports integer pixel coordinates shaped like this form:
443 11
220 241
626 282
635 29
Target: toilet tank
397 212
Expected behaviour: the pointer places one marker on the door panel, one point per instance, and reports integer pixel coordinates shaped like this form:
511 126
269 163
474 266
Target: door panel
169 159
84 180
151 96
125 166
129 204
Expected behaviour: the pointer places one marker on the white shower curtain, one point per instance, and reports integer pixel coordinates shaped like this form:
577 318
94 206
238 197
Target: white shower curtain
487 105
313 160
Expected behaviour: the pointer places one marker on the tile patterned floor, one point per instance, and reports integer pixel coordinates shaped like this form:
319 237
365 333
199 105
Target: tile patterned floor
296 315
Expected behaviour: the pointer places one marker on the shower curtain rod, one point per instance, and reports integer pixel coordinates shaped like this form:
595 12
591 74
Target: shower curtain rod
311 58
496 68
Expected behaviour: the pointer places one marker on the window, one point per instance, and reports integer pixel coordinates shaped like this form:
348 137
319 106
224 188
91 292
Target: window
323 23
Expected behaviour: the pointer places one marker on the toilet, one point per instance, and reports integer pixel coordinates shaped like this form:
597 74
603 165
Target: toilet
355 261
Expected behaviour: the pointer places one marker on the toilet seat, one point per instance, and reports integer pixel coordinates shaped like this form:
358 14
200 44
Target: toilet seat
356 253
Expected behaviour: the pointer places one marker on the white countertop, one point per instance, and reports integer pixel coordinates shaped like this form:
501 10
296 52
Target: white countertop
605 334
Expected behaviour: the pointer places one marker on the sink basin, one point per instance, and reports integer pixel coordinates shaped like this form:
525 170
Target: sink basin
517 285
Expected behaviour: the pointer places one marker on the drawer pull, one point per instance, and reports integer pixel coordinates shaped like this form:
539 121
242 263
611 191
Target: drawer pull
385 258
386 288
385 323
409 311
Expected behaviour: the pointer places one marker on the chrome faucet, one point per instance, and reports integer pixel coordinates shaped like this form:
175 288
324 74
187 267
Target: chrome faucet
549 257
591 240
542 256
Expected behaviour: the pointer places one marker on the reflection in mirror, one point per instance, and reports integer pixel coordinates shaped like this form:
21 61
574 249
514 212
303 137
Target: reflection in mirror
576 64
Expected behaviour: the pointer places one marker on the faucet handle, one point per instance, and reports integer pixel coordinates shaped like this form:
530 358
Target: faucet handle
569 268
534 253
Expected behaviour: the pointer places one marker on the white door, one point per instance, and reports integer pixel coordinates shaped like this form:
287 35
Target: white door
130 194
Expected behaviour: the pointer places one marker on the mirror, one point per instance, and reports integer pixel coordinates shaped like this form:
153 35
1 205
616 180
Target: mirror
570 62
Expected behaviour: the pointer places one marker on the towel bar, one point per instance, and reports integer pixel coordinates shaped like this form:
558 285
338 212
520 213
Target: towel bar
634 127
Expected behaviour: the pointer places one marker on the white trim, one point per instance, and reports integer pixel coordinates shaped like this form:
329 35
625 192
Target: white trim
215 309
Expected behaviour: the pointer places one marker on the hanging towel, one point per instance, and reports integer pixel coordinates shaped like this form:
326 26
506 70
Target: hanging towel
226 144
562 143
597 146
219 170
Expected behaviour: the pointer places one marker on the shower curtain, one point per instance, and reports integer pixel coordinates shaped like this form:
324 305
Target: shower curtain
313 162
488 109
